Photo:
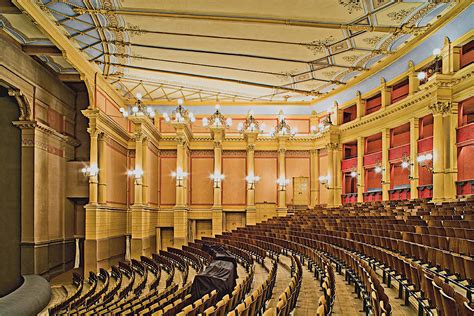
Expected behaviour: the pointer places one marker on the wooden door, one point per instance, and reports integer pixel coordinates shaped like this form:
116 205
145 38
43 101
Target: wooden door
300 190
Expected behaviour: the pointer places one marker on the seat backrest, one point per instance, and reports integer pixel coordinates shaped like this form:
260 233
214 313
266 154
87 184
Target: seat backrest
449 305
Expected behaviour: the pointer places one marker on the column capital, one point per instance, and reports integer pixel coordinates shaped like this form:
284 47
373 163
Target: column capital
250 147
332 146
282 150
440 107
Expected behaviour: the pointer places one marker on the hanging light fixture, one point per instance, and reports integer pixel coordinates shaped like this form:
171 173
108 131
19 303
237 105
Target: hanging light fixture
251 125
180 115
283 128
217 120
138 109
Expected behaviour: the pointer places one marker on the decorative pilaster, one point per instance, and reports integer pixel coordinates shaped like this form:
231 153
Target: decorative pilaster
385 95
315 188
414 167
93 180
251 218
217 212
102 192
360 105
360 169
385 164
282 208
413 81
451 57
331 174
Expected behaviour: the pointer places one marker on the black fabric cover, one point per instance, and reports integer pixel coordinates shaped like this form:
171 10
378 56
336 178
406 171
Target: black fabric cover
220 274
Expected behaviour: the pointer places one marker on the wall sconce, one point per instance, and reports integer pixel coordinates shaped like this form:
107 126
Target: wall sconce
251 180
179 175
217 178
90 171
422 76
282 183
354 173
425 161
136 173
324 180
378 168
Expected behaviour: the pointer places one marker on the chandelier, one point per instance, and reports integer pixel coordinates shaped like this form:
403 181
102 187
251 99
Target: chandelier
180 115
282 128
217 120
250 125
323 126
138 109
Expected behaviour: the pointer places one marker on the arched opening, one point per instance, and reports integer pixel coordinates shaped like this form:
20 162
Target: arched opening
10 195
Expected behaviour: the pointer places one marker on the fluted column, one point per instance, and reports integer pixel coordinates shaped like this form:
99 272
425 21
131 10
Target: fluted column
217 212
414 168
138 182
385 164
180 210
315 186
102 192
282 208
444 150
360 169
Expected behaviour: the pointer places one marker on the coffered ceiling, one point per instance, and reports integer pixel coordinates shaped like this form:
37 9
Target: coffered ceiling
232 50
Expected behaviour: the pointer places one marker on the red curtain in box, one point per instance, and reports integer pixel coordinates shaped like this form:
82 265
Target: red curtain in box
373 104
400 91
399 176
466 112
349 114
467 54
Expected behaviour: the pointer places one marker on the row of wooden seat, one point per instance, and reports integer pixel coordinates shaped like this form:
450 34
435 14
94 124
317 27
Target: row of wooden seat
256 302
78 282
403 274
287 299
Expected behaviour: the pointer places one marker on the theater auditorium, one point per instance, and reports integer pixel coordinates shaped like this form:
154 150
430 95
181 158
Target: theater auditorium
237 157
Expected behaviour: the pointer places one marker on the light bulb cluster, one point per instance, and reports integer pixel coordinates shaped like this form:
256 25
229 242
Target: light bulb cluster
217 120
251 125
138 109
179 115
283 128
323 126
90 171
378 168
136 173
424 158
423 75
354 173
216 176
282 182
